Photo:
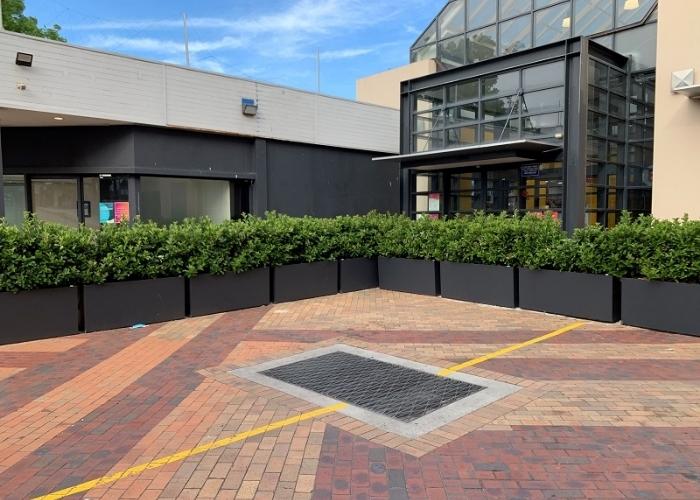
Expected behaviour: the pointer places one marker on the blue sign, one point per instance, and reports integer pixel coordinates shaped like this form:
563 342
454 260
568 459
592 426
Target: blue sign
531 171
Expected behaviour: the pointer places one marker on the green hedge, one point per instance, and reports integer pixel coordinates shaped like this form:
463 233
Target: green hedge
40 255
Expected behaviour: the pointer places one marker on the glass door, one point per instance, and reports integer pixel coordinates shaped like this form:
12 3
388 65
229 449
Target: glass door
56 200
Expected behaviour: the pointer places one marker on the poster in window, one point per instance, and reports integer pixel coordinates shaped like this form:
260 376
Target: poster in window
121 211
106 212
434 202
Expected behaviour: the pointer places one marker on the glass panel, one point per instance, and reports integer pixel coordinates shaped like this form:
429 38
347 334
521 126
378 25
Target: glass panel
544 75
451 20
506 83
426 183
632 11
424 122
500 131
502 107
618 81
166 199
592 16
114 199
15 199
552 24
427 142
463 136
427 52
598 100
468 181
616 152
512 8
56 200
481 44
430 36
463 114
598 74
639 200
543 125
428 99
544 101
515 35
639 176
453 52
601 174
503 190
606 41
617 105
596 149
616 129
639 44
91 198
544 3
597 124
480 13
466 91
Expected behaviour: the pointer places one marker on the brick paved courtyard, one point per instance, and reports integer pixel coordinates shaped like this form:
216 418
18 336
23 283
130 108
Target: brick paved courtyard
602 411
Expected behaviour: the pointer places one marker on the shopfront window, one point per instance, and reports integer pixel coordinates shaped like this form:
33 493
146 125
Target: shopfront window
168 199
426 195
114 199
15 199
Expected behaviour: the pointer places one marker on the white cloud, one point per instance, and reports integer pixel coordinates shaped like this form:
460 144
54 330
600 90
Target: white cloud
158 46
333 55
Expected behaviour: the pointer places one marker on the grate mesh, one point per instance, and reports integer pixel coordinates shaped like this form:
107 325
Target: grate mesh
392 390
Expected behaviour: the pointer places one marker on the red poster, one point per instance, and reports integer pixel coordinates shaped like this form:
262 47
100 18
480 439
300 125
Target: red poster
121 211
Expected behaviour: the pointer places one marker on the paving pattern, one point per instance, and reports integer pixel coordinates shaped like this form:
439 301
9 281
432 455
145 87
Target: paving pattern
604 411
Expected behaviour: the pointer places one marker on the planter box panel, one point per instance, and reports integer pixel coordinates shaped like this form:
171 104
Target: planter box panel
124 304
421 277
358 274
229 292
668 307
39 314
579 295
483 284
305 281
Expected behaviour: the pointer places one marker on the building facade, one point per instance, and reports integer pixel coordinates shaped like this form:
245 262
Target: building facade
539 106
90 138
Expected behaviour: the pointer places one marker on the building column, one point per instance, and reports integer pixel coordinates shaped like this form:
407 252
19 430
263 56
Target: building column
260 201
134 197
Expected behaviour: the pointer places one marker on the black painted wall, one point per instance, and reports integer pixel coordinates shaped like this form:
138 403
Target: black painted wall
2 184
326 182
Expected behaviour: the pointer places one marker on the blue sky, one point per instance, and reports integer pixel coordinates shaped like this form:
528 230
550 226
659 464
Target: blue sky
269 40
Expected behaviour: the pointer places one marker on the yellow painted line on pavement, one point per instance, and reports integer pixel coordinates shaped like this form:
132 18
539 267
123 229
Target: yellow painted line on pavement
473 362
182 455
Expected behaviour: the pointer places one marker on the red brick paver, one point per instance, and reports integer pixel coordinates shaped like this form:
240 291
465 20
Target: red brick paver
603 412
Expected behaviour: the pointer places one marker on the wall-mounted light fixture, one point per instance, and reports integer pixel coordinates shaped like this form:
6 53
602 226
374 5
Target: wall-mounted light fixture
24 59
249 106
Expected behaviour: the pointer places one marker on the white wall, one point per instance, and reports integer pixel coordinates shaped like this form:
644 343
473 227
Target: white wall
76 81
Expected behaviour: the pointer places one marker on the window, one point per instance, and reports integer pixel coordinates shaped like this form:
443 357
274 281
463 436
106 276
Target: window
465 113
543 126
426 195
451 20
592 16
544 101
515 35
512 8
500 131
639 44
466 91
167 199
502 107
632 11
463 136
15 197
427 52
481 44
553 24
506 83
429 99
544 75
429 36
453 52
481 13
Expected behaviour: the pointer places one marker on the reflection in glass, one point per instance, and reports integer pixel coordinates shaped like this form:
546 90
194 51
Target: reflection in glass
465 91
512 8
430 36
502 107
453 51
592 16
15 199
428 99
506 83
463 136
544 3
500 131
598 74
425 122
547 125
481 44
632 11
617 105
427 52
639 44
56 200
545 75
544 101
481 13
598 100
597 124
427 142
553 24
618 81
451 20
463 114
168 199
515 35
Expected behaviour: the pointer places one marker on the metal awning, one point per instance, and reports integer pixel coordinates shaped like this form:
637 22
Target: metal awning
495 152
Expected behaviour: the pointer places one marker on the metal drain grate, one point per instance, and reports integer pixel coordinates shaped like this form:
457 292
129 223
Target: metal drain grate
395 391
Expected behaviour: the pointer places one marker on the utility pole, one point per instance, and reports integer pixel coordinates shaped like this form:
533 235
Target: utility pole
187 39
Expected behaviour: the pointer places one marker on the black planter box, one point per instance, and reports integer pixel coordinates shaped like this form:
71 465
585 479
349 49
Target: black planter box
358 274
39 314
669 307
493 285
230 292
587 296
421 277
304 281
123 304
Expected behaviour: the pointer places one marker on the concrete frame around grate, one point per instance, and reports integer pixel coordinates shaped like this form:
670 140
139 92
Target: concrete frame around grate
492 392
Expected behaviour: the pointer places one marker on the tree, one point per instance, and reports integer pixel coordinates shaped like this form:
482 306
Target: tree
13 19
